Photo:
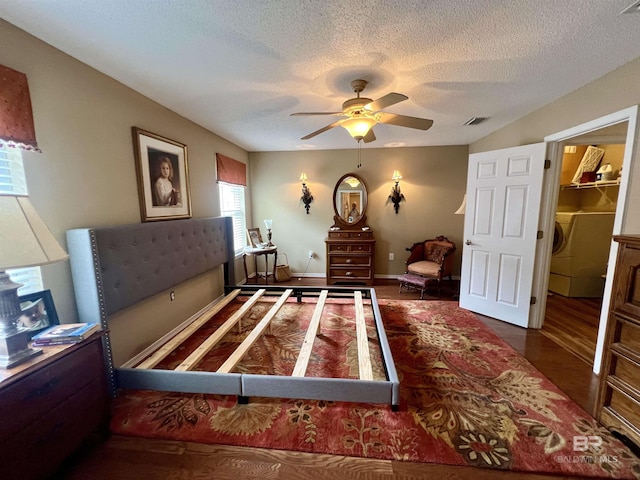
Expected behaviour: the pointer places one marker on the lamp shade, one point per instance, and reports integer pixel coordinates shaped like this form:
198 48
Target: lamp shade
358 127
25 240
462 206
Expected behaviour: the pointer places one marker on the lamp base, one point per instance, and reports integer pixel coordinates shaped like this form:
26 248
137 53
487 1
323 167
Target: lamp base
14 342
14 349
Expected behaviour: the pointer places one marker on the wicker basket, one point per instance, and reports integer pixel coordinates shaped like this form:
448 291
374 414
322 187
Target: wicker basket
283 273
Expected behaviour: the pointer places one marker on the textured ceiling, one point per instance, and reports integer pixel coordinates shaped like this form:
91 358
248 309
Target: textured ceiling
240 68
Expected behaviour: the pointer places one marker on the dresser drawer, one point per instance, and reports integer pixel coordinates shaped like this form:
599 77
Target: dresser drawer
25 402
37 451
615 423
349 247
350 273
626 370
628 335
346 235
626 299
624 408
344 260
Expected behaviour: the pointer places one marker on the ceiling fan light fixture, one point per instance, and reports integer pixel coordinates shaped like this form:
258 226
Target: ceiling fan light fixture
359 126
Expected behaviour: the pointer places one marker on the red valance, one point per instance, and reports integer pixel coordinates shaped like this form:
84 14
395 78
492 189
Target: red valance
230 170
16 117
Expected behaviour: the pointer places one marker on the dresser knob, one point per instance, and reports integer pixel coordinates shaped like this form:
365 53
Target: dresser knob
348 260
349 274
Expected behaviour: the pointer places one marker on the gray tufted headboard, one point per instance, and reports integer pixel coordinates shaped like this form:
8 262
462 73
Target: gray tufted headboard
116 267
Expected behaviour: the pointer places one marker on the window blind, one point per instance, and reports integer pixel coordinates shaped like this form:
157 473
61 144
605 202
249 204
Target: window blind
232 205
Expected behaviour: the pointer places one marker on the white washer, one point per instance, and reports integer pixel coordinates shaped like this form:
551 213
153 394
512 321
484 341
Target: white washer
580 252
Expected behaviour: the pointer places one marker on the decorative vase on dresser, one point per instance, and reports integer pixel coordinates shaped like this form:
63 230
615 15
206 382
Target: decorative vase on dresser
618 401
350 244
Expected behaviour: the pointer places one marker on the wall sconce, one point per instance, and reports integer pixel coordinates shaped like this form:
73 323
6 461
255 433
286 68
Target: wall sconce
396 196
306 197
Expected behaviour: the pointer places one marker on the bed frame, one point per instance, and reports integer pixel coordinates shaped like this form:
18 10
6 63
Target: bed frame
116 267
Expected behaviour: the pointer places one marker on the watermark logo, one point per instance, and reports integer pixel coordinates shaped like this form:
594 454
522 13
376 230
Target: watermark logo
584 443
587 443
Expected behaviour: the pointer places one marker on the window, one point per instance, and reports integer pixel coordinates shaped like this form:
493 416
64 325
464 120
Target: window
232 205
13 180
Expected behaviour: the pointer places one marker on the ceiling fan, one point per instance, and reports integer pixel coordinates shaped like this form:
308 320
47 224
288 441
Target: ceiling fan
363 113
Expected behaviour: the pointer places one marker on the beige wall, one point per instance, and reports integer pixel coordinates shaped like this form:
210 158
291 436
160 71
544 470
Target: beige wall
434 181
613 92
86 173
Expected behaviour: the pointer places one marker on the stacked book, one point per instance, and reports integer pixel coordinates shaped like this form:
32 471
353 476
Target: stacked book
66 333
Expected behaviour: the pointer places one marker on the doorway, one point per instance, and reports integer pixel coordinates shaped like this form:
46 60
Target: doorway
614 129
582 239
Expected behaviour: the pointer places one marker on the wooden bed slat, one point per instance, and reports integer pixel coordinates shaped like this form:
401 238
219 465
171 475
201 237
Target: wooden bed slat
248 342
171 345
364 358
197 355
307 345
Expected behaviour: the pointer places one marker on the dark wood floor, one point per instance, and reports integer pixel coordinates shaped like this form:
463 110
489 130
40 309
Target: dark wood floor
134 458
573 323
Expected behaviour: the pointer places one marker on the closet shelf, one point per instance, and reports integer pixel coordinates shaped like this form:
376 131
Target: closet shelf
604 183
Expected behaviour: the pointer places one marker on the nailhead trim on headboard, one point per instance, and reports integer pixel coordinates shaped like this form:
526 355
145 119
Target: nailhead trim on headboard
133 262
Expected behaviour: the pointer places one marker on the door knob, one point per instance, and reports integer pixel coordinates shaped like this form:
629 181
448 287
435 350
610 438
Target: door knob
468 242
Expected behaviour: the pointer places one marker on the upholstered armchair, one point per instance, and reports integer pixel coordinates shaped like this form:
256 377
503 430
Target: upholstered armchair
431 259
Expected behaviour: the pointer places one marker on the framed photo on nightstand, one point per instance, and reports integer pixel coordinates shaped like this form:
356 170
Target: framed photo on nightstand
38 312
255 238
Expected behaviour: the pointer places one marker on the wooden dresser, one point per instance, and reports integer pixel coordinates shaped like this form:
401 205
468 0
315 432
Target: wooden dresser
49 405
618 401
350 257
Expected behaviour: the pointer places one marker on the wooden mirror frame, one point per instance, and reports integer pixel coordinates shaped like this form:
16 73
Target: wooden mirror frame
338 220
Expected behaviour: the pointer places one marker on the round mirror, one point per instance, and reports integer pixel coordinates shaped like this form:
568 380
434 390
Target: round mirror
350 201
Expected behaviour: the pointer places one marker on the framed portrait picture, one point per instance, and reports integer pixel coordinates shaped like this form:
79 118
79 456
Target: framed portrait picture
163 177
38 312
255 238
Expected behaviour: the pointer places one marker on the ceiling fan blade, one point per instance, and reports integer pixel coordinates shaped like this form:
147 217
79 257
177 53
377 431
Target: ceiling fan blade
386 101
300 114
324 129
404 121
369 137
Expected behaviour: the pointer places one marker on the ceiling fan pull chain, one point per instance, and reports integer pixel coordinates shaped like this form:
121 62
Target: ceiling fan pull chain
359 161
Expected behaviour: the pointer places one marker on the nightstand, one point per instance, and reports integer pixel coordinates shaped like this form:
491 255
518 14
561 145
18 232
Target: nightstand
49 405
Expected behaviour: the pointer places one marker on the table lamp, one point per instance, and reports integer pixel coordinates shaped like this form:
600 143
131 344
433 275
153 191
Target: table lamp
25 241
268 223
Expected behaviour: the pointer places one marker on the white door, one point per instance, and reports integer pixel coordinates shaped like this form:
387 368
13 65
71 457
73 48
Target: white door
500 230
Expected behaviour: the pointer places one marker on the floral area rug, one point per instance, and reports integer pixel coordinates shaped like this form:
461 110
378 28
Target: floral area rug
467 398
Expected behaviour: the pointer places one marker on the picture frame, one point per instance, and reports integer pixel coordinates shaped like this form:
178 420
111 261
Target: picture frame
255 237
163 176
38 312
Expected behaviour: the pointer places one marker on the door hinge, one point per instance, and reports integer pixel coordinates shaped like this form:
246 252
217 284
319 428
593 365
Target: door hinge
539 235
547 164
533 301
